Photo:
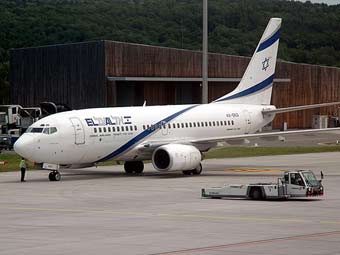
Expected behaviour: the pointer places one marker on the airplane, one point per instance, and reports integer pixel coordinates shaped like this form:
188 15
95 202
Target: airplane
173 137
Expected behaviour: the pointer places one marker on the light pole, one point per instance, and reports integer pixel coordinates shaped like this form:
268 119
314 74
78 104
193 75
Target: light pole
205 54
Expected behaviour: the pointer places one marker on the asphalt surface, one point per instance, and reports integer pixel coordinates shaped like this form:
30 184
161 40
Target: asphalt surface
103 211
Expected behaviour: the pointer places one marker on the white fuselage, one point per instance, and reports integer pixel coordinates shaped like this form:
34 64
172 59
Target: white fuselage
93 135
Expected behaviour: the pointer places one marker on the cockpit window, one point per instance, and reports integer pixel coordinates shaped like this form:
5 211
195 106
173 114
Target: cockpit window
45 130
50 130
36 130
53 130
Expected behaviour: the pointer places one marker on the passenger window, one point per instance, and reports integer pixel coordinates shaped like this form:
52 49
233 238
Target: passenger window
113 129
178 126
228 122
104 129
217 123
225 123
232 122
131 128
174 125
209 123
221 123
100 130
118 129
95 130
194 124
135 128
127 128
143 127
206 124
214 123
186 125
182 124
198 124
190 125
109 129
169 125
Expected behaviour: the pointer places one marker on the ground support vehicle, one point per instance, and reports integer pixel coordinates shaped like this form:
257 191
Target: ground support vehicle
297 183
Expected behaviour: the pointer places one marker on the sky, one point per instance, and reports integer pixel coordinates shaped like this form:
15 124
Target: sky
329 2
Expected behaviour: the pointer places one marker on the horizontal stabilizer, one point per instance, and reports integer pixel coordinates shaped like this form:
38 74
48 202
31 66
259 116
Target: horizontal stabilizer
297 108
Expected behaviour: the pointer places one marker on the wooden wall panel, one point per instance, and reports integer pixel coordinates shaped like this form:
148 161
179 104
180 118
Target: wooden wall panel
310 84
73 74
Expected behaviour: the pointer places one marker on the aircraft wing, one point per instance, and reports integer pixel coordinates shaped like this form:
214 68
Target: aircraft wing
204 144
266 135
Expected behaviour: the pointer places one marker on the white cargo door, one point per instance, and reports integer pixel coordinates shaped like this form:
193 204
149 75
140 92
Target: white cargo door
79 132
247 118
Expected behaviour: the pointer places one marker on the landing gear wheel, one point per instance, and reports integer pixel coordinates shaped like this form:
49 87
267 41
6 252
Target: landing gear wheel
198 170
256 194
54 176
139 167
136 167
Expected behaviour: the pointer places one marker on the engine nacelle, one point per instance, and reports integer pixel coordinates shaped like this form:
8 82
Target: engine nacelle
176 157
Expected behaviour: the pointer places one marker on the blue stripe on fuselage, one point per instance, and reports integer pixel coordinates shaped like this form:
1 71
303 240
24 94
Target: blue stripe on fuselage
144 134
251 90
271 40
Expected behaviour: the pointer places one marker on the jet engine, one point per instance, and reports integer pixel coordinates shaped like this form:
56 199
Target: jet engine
176 157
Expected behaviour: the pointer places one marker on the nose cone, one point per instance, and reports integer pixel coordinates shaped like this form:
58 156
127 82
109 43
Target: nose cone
24 146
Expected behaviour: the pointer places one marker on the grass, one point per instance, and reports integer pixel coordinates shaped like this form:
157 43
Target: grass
13 161
225 152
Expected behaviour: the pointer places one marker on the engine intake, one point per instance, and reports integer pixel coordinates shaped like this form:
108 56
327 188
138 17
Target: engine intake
176 157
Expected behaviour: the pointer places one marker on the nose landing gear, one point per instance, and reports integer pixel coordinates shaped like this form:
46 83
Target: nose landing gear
54 176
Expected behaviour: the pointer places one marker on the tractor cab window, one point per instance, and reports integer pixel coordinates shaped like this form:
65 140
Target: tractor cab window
286 178
296 179
310 178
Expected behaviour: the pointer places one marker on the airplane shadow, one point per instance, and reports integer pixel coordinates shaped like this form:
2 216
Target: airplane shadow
292 200
76 175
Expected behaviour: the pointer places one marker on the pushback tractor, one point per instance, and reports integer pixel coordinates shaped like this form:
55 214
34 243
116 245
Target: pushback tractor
297 183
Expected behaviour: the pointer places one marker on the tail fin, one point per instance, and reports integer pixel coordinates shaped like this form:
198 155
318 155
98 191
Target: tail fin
256 84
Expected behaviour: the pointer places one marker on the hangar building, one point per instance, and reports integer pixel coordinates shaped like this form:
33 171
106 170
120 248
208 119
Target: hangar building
109 73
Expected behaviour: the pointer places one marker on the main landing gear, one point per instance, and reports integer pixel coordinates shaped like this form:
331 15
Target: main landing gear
133 167
54 176
196 171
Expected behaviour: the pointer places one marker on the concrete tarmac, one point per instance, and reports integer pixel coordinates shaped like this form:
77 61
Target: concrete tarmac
103 211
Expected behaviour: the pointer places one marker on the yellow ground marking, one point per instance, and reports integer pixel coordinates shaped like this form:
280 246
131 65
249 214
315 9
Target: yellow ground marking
250 170
173 216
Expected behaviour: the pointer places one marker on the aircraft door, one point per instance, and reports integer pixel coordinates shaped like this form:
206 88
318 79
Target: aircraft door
79 132
247 118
